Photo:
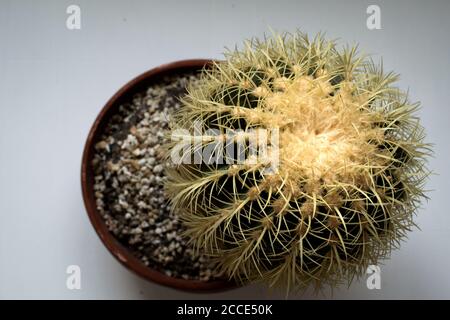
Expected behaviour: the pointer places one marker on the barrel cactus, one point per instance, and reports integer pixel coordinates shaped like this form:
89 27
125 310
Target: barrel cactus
340 178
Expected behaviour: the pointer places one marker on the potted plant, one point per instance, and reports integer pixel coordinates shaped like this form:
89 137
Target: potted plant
292 162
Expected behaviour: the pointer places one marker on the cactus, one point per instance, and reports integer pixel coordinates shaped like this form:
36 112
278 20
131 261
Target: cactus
350 171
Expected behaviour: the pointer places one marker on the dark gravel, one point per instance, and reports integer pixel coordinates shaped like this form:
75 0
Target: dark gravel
129 179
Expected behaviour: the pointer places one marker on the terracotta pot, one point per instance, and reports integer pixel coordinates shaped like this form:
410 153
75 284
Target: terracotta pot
118 250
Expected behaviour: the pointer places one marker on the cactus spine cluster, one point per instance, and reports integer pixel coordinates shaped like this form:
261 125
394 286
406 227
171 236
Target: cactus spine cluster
350 172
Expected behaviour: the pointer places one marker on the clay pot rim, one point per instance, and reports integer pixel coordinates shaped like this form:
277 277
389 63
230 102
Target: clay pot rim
119 251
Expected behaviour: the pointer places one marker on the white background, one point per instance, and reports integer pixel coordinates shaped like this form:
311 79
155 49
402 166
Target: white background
54 81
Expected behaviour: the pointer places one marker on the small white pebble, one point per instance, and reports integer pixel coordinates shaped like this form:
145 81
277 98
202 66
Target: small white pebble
158 168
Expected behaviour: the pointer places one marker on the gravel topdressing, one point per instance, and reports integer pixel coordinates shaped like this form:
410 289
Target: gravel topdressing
129 182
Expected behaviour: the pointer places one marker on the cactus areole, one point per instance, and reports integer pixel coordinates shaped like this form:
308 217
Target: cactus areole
339 179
